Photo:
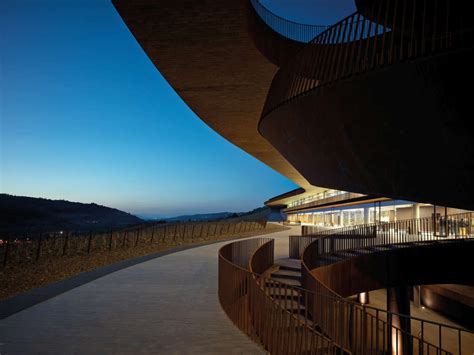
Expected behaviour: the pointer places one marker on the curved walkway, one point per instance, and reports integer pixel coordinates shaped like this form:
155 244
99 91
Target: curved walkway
167 305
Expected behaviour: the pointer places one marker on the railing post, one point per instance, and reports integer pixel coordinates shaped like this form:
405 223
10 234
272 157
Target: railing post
65 243
38 250
175 232
138 236
389 333
7 250
110 240
89 242
164 235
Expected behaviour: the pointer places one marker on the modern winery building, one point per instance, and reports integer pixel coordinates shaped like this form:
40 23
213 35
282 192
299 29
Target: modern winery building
370 117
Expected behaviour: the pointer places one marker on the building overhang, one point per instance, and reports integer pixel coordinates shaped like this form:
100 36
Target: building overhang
208 56
293 195
336 204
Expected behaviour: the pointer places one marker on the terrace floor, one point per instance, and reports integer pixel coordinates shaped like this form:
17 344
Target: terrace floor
167 305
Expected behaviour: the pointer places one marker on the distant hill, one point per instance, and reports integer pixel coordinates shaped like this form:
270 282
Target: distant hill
260 213
199 217
27 214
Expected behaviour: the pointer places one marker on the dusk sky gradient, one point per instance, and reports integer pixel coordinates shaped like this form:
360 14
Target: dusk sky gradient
85 116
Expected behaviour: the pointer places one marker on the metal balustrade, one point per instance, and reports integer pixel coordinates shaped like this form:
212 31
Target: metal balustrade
296 31
336 315
388 32
287 319
298 243
258 305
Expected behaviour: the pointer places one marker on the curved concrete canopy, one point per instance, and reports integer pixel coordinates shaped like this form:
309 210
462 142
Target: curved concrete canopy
205 51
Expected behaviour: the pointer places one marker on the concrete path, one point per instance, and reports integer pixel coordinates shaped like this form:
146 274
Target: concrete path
167 305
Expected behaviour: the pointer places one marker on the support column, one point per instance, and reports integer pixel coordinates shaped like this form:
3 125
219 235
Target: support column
398 301
366 215
417 296
416 215
416 210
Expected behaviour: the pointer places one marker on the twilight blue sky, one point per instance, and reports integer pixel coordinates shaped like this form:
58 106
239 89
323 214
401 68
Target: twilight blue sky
86 117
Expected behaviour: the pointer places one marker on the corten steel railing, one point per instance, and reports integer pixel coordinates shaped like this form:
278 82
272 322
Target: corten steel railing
259 306
296 31
339 318
286 319
387 33
30 249
298 243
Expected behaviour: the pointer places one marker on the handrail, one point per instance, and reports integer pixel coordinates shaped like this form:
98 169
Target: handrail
249 301
259 306
374 236
293 30
262 258
298 243
359 43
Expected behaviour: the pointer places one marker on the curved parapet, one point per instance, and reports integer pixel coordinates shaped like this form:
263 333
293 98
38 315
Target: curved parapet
383 111
433 18
278 39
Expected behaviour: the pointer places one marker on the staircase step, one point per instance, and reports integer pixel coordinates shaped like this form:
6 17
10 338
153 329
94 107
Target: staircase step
302 322
289 264
287 274
276 292
291 305
289 268
305 320
291 282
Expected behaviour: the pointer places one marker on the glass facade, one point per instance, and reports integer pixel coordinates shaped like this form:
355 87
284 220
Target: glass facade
383 212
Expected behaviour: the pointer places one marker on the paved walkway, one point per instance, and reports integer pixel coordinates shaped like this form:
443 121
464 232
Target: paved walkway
166 305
